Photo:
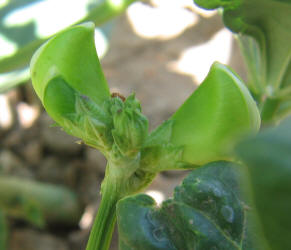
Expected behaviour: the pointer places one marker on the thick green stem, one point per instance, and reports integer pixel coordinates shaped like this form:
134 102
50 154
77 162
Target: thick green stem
101 233
116 184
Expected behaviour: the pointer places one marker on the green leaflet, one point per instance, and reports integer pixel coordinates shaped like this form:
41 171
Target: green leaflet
268 158
71 55
218 112
207 212
269 23
67 77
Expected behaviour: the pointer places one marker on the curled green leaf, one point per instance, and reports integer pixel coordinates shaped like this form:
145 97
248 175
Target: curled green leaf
72 55
216 114
67 77
264 32
268 21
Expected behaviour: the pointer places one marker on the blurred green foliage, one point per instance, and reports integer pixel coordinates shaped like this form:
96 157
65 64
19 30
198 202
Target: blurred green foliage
3 231
23 38
268 159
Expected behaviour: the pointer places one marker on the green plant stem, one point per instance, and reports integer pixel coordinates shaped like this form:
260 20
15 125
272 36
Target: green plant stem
101 233
106 11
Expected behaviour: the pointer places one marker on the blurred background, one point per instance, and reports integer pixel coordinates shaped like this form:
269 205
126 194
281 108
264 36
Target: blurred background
159 49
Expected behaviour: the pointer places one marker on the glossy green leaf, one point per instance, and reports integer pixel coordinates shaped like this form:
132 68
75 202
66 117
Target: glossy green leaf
269 22
207 212
70 55
268 158
218 112
67 77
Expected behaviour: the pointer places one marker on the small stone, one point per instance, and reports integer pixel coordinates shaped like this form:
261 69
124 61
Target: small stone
88 185
32 152
57 140
27 239
27 114
95 159
71 173
51 170
6 118
11 164
78 239
13 138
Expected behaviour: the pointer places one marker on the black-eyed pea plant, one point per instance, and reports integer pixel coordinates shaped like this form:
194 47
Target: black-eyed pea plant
208 211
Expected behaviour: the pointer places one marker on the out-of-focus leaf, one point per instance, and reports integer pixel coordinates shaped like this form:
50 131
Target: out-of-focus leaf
269 22
268 58
268 158
3 231
252 56
207 212
27 39
218 112
38 203
13 79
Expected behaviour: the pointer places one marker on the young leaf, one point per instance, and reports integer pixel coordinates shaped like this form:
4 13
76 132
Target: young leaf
207 212
268 58
269 22
72 55
219 111
67 77
268 159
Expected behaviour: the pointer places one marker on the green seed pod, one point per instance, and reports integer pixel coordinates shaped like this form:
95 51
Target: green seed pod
214 116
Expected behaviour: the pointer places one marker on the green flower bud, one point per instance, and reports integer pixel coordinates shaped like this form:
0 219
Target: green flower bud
130 125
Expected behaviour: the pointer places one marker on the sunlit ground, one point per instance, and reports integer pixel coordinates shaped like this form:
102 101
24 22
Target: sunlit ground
168 19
